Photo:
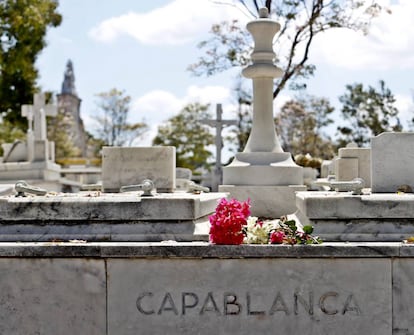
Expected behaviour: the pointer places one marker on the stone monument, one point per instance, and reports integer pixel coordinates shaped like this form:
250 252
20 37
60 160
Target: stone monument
39 148
392 162
33 160
353 162
219 124
263 172
129 263
382 213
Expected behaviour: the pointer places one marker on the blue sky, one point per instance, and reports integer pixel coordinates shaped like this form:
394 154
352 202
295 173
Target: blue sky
144 48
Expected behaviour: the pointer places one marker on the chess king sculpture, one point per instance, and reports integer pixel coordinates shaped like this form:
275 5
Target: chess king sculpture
263 172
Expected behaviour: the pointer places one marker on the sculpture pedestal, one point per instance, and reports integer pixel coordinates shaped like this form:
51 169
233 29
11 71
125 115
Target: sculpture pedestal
263 173
269 179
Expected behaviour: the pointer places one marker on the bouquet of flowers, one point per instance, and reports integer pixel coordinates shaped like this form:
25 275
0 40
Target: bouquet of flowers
232 224
228 221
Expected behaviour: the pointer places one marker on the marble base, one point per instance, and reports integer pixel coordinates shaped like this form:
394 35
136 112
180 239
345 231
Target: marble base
173 288
93 216
52 296
341 216
267 201
29 171
264 169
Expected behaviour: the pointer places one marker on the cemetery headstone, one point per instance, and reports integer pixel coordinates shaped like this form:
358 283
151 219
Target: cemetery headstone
353 162
39 148
392 161
123 166
384 214
219 124
33 160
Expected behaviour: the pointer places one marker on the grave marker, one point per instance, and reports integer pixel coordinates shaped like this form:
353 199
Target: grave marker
219 124
130 166
37 113
392 161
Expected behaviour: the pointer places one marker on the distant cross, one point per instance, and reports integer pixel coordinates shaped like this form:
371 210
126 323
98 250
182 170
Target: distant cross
219 124
36 115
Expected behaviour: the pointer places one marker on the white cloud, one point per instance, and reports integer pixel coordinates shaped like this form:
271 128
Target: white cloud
405 106
389 44
179 22
280 101
157 106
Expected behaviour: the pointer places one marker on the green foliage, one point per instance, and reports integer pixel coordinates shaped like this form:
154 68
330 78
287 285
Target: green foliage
308 161
9 132
58 132
229 44
300 126
189 136
367 112
308 229
113 126
23 26
240 134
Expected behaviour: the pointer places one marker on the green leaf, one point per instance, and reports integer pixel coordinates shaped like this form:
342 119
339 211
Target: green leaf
308 229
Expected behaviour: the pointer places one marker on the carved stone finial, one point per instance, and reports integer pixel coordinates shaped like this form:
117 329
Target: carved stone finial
263 13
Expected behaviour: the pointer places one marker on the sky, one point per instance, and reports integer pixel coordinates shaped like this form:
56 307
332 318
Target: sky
145 47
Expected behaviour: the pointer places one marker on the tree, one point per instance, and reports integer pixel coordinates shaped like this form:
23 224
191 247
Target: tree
23 27
300 125
189 136
58 132
9 132
367 112
113 127
301 21
240 134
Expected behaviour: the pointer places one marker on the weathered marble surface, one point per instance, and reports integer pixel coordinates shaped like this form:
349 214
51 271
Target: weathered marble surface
267 201
236 296
369 230
92 207
387 149
341 216
93 216
354 163
199 250
52 296
130 166
344 205
403 296
198 288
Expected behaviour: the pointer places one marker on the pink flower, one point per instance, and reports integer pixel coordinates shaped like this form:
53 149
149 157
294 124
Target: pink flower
277 237
226 224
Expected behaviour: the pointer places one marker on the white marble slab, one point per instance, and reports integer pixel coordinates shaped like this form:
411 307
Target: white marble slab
392 160
266 201
344 205
52 296
249 296
130 166
354 163
403 296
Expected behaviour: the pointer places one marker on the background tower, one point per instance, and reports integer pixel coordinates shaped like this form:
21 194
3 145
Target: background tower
69 105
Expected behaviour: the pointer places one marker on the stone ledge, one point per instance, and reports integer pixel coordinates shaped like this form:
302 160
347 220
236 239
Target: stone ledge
92 207
344 205
200 250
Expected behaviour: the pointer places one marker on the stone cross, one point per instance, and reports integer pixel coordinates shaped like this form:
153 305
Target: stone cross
219 124
36 116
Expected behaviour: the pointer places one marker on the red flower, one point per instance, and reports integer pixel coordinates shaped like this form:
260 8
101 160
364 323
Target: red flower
277 237
228 221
